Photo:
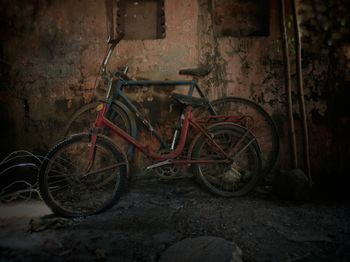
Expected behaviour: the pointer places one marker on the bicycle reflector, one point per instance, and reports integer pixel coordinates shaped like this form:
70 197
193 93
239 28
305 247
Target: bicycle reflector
99 107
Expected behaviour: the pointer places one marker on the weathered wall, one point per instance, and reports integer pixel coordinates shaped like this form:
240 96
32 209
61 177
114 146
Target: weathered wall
326 69
51 51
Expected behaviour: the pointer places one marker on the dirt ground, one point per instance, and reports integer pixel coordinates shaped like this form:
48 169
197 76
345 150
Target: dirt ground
152 215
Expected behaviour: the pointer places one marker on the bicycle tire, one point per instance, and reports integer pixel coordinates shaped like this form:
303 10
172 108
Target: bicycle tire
63 167
264 129
84 119
228 180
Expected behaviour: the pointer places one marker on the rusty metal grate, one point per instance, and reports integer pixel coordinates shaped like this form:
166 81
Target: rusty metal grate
140 20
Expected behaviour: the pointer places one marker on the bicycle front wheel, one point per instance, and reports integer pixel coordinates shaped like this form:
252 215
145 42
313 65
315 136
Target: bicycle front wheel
73 188
262 126
232 179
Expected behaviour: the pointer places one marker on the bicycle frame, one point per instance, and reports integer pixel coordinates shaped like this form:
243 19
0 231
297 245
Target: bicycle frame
191 83
189 120
121 84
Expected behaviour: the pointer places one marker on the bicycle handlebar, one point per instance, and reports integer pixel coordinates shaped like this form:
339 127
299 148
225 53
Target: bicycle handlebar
113 43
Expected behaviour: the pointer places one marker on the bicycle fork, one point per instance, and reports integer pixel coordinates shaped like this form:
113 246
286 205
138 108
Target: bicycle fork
93 140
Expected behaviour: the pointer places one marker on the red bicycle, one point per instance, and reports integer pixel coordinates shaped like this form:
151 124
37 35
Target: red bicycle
86 173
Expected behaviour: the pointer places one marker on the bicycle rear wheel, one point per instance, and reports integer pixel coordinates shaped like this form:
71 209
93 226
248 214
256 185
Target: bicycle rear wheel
262 126
69 189
232 179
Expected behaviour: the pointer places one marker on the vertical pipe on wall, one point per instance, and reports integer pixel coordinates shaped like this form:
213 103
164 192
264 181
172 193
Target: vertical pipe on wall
288 85
306 147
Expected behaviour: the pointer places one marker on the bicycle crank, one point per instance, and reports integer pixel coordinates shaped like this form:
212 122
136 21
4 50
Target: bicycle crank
164 169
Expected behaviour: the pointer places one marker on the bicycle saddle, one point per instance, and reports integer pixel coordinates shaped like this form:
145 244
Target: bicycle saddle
200 71
189 100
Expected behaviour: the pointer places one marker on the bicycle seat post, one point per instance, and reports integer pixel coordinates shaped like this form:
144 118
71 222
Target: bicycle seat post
193 86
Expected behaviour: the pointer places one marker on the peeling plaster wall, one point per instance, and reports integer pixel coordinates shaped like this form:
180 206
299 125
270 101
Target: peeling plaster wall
51 51
326 69
246 66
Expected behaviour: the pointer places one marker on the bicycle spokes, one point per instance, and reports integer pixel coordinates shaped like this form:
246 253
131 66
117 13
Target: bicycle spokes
234 177
73 187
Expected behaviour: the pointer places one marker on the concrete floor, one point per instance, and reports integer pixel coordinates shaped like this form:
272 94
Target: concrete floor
153 215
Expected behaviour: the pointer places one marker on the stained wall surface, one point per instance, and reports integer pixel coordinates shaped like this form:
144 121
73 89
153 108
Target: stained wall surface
51 52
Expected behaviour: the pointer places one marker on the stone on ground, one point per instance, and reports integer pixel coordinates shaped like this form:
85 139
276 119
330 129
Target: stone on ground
203 249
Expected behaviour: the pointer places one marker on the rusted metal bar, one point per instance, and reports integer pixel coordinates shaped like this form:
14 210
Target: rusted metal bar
288 85
306 147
